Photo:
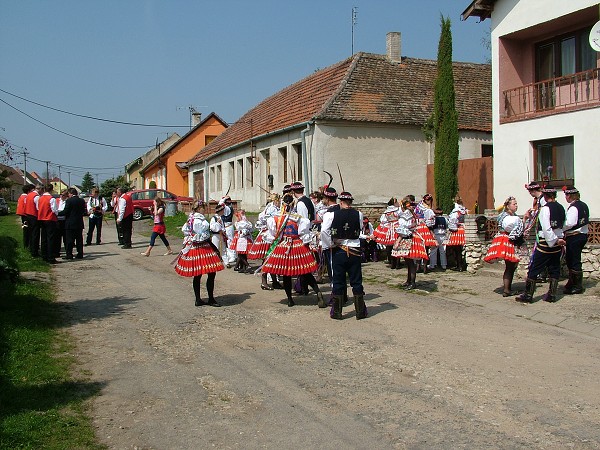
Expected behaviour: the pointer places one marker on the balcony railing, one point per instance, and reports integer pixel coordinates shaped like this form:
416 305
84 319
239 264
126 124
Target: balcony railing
578 91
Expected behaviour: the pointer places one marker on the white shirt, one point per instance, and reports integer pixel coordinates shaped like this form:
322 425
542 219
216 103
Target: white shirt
573 219
547 232
96 201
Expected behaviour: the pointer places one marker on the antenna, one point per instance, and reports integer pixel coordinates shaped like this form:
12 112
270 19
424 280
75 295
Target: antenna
354 14
192 109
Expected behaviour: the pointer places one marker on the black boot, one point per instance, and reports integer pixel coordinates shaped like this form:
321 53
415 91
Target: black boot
336 309
568 289
507 284
527 296
576 280
321 301
210 289
360 307
276 284
550 296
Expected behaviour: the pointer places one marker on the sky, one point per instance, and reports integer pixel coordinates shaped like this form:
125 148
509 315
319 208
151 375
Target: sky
148 62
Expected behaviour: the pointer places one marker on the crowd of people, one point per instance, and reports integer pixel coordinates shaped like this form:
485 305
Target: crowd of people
302 238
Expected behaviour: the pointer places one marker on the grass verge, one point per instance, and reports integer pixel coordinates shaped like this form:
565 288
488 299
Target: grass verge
42 405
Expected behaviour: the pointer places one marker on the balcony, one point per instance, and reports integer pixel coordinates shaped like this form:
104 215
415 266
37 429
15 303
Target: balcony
569 93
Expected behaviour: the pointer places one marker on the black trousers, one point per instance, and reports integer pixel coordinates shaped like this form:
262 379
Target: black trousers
60 238
127 229
47 238
94 223
74 240
545 257
575 244
34 236
343 263
26 231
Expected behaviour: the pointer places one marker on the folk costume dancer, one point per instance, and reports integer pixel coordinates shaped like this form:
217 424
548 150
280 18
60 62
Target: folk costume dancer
502 248
47 220
21 212
385 232
31 211
576 236
456 240
289 255
227 217
439 230
198 255
341 231
260 246
530 219
547 253
368 246
409 244
96 207
217 232
242 240
426 221
305 208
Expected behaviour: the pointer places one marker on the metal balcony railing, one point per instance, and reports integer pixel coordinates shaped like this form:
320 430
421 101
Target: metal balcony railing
572 92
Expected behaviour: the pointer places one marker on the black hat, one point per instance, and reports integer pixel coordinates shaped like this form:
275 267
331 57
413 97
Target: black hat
345 196
219 208
533 186
286 189
296 186
570 190
549 190
330 192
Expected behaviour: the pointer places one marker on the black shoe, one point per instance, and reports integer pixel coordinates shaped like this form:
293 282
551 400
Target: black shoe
98 243
52 261
79 257
88 243
199 302
266 287
213 302
410 287
290 302
67 257
126 246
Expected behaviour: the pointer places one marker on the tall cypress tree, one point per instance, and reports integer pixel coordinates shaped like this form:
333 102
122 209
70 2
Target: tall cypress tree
445 124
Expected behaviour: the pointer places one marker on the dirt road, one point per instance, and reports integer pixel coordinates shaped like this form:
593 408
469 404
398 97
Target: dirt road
422 371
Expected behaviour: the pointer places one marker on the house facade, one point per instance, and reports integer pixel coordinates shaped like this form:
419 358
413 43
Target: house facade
133 170
168 169
364 115
545 95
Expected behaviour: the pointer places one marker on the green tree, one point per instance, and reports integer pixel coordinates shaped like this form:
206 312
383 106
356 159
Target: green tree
87 183
445 124
107 188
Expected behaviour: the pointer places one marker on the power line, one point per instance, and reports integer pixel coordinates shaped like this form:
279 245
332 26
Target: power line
92 117
68 134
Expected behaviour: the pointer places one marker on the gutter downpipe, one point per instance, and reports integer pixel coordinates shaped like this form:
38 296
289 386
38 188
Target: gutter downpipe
305 157
205 196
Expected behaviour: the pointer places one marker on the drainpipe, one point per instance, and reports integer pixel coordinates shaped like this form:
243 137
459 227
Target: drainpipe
305 157
205 177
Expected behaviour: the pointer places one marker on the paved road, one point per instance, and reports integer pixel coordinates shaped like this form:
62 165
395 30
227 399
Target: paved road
454 368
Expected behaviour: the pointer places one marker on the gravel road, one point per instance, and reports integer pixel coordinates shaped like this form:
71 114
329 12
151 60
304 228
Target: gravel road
422 371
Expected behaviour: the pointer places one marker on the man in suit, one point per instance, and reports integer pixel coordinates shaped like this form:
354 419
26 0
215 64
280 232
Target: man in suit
74 211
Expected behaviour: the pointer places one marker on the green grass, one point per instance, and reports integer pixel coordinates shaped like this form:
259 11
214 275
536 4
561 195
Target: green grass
11 246
42 403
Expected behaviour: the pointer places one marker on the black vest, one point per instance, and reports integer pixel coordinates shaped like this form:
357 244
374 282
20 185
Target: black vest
440 223
346 224
228 217
309 205
333 208
583 214
557 215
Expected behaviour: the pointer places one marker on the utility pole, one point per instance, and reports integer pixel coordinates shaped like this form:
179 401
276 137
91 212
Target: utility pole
354 14
25 166
47 172
59 181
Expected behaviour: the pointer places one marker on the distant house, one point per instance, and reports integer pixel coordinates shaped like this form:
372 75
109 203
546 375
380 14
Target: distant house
58 185
133 170
168 168
545 95
364 114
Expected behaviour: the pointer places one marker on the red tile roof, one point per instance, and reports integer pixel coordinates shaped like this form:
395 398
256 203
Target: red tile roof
364 88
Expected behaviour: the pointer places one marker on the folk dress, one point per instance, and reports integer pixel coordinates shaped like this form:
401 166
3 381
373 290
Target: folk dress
198 255
502 246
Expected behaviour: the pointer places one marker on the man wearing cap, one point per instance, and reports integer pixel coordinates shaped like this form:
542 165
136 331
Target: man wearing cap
576 235
229 256
341 231
548 249
535 190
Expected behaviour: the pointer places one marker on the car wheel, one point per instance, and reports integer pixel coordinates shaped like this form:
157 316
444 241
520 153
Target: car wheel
137 214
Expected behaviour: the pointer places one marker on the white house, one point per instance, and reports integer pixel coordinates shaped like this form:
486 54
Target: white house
364 114
545 95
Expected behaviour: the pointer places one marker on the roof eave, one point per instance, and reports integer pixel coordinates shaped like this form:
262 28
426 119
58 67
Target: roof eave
479 8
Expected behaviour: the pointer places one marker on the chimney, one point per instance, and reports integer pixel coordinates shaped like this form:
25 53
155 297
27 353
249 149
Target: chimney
394 46
196 117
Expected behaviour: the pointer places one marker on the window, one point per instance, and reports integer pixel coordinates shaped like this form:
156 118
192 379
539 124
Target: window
487 150
232 174
213 180
553 159
284 163
208 139
249 172
240 168
298 155
219 179
564 55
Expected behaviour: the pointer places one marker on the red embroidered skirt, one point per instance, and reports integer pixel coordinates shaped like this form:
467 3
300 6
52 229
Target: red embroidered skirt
385 233
501 249
200 259
259 248
427 235
411 248
457 237
290 258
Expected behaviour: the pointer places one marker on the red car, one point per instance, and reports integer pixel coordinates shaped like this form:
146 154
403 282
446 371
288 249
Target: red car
143 200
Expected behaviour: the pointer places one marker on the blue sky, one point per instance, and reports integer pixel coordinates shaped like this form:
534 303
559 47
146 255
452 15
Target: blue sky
148 61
